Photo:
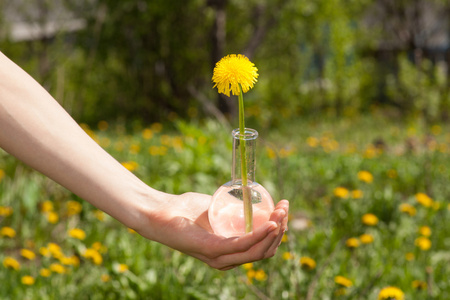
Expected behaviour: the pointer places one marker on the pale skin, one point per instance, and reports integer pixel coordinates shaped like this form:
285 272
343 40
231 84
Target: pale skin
38 131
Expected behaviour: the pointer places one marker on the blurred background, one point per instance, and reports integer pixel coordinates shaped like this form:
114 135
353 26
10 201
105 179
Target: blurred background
352 105
153 60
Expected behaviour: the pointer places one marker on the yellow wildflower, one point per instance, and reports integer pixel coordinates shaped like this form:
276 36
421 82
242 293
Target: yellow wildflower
77 233
250 275
93 255
307 263
312 142
408 209
423 243
47 206
44 251
341 280
409 256
365 176
73 208
232 71
156 127
27 280
28 254
130 165
419 285
99 247
287 256
147 134
12 263
8 232
5 211
425 231
260 275
341 192
284 239
105 278
57 268
2 174
392 173
352 243
55 250
247 266
366 238
357 194
122 268
44 272
424 199
391 293
369 219
102 125
99 215
52 217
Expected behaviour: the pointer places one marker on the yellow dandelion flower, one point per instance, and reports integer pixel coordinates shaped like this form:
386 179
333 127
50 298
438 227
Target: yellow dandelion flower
47 206
55 250
27 280
357 194
93 255
28 254
408 209
423 243
287 256
424 199
392 173
391 293
135 149
366 238
234 70
9 262
52 217
369 219
77 233
365 176
250 275
425 231
99 215
122 268
307 263
419 285
343 281
409 256
57 268
312 142
105 278
247 266
8 232
102 125
99 247
147 134
130 230
44 251
130 165
6 211
260 275
341 192
284 239
73 208
2 174
352 243
44 272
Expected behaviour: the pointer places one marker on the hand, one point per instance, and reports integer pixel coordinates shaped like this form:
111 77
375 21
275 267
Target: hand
182 224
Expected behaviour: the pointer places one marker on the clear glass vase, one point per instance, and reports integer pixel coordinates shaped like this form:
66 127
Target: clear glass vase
226 211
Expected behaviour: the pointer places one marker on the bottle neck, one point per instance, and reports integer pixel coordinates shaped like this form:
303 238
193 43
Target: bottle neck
248 142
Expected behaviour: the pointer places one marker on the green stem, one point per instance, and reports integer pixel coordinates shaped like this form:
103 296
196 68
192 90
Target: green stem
248 209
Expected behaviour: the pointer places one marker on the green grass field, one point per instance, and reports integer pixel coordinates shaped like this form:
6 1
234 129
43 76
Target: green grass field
369 210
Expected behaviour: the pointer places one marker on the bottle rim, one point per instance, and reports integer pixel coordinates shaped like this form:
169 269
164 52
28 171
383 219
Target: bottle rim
249 134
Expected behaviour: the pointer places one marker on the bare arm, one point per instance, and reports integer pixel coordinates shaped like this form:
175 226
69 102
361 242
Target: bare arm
37 130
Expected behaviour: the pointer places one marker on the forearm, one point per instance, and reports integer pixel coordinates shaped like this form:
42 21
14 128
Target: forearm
38 131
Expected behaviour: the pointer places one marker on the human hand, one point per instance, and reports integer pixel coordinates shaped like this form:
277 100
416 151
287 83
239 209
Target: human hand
182 223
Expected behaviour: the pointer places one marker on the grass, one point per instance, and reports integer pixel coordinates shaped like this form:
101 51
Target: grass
316 164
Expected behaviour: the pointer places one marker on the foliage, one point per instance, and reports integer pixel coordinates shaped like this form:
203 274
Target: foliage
333 172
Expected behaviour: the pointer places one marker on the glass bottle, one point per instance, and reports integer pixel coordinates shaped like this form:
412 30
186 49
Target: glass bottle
226 211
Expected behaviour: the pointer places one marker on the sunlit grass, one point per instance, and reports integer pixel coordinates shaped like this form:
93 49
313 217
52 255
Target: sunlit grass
369 210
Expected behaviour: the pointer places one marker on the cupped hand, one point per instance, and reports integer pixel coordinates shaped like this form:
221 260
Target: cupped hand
182 224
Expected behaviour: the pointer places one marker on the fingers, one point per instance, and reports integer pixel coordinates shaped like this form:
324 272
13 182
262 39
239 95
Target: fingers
257 245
